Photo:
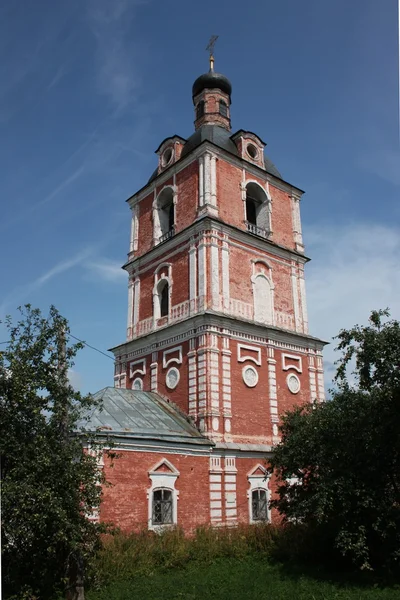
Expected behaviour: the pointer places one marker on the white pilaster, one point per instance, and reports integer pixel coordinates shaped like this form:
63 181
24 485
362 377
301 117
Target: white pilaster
295 294
129 323
192 273
201 181
312 378
303 303
154 373
225 274
215 474
136 301
213 178
214 250
230 490
207 178
134 229
192 383
273 397
202 273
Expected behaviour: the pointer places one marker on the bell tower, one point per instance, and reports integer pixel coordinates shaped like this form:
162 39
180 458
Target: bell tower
217 311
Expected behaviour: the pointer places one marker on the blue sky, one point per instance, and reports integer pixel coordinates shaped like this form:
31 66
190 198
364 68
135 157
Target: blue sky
88 90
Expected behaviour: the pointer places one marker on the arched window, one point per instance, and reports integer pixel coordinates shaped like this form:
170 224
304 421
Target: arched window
164 216
257 210
162 513
223 109
200 109
163 292
259 505
262 293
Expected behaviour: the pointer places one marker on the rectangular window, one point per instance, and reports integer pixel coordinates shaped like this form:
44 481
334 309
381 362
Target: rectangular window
162 507
259 506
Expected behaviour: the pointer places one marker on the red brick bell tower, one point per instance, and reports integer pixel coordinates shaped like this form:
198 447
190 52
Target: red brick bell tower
217 312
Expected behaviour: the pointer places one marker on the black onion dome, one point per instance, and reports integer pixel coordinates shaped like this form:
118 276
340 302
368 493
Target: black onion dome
212 80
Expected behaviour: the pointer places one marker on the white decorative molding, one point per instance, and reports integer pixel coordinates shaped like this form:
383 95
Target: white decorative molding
215 478
295 297
154 376
214 260
258 480
289 359
273 397
250 376
173 359
293 383
242 357
137 384
225 274
303 302
164 479
138 367
230 489
172 378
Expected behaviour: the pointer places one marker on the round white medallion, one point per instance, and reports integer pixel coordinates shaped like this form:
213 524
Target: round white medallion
137 384
250 376
172 378
227 425
275 429
293 383
215 423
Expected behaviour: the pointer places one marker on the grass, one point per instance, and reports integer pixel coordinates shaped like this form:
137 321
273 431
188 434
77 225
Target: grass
235 579
248 562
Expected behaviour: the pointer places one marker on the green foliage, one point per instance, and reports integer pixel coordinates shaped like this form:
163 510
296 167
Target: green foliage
249 578
49 484
124 556
344 455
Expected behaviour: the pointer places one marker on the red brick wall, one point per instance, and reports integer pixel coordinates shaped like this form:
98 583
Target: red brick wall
125 503
250 406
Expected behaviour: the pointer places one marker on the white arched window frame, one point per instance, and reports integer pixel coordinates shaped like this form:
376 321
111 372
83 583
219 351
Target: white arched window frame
257 207
258 482
164 209
160 281
263 293
164 479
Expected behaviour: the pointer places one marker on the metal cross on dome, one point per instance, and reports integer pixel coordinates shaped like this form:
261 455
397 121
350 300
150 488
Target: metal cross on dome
210 48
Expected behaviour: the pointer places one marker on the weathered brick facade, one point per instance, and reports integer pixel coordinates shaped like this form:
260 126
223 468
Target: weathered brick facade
217 318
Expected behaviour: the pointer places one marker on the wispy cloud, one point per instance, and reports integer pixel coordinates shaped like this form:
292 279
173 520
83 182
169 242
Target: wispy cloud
355 269
106 270
111 24
22 293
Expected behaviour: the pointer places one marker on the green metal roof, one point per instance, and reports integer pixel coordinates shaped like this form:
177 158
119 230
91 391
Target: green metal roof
140 415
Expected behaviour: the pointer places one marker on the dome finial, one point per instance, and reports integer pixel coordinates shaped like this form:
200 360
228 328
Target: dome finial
210 48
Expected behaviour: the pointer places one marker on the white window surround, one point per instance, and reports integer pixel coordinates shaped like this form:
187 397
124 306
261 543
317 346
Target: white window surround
157 290
260 194
293 383
258 481
160 220
250 376
138 367
172 378
242 357
293 358
263 297
173 359
163 480
137 384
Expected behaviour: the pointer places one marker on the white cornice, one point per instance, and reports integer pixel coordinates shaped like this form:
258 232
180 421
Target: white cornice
206 224
188 328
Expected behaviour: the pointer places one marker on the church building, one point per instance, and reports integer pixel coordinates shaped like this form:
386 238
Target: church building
217 344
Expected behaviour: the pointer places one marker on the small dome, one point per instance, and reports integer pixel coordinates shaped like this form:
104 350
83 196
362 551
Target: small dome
212 80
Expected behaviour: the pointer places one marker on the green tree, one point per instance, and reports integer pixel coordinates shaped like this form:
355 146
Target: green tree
338 463
49 483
